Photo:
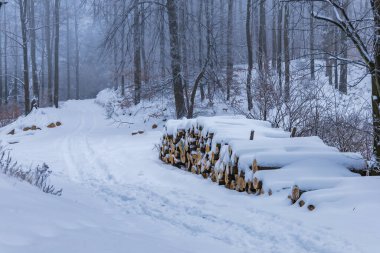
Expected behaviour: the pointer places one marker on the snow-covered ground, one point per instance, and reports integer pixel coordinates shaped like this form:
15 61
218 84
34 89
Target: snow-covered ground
119 197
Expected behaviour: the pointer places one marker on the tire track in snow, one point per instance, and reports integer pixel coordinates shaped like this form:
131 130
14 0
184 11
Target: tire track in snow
193 213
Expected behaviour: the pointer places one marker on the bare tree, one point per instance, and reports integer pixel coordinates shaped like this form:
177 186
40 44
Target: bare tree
76 26
137 52
56 53
286 54
48 52
176 59
230 64
250 54
23 19
36 93
68 55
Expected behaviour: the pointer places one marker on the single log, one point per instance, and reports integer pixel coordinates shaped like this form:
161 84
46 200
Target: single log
214 176
257 184
249 187
51 125
240 183
295 195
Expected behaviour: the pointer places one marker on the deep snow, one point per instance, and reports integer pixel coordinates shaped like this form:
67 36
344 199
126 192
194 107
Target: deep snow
118 197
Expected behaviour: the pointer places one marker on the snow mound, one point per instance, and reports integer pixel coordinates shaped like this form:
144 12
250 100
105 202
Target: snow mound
41 118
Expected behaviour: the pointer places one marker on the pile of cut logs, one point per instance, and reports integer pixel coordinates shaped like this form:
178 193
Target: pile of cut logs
230 150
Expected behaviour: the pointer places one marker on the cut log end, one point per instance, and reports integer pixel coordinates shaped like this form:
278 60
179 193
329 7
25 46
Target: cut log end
51 125
311 207
295 195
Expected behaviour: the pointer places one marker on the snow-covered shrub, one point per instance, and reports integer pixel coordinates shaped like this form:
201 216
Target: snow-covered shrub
37 176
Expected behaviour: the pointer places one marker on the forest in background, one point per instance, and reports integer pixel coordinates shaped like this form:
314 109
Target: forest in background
191 51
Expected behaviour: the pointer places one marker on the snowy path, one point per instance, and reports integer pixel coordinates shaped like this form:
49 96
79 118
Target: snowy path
184 212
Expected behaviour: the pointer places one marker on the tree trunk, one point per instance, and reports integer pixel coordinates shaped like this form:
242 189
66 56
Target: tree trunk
143 54
5 62
183 25
1 72
48 53
311 29
200 45
376 83
76 26
335 60
274 42
137 53
23 19
279 46
287 54
68 57
36 93
175 59
162 42
250 54
123 56
230 64
193 93
263 61
56 53
343 63
16 62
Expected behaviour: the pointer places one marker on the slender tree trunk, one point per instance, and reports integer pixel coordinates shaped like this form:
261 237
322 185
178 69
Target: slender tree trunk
68 56
230 64
343 64
5 62
274 42
143 54
56 53
16 52
1 72
48 53
311 30
287 54
279 46
250 53
123 56
263 60
185 68
23 18
76 27
335 61
176 59
43 73
36 93
200 45
209 44
137 53
162 42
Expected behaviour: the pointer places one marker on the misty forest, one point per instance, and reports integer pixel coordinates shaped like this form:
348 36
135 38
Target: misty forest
101 102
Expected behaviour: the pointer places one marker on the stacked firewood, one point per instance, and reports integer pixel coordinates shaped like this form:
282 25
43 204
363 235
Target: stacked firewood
231 151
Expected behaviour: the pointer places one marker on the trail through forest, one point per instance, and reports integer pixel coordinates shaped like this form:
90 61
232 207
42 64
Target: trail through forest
94 156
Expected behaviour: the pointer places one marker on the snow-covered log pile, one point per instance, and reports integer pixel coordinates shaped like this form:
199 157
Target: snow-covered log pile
249 155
